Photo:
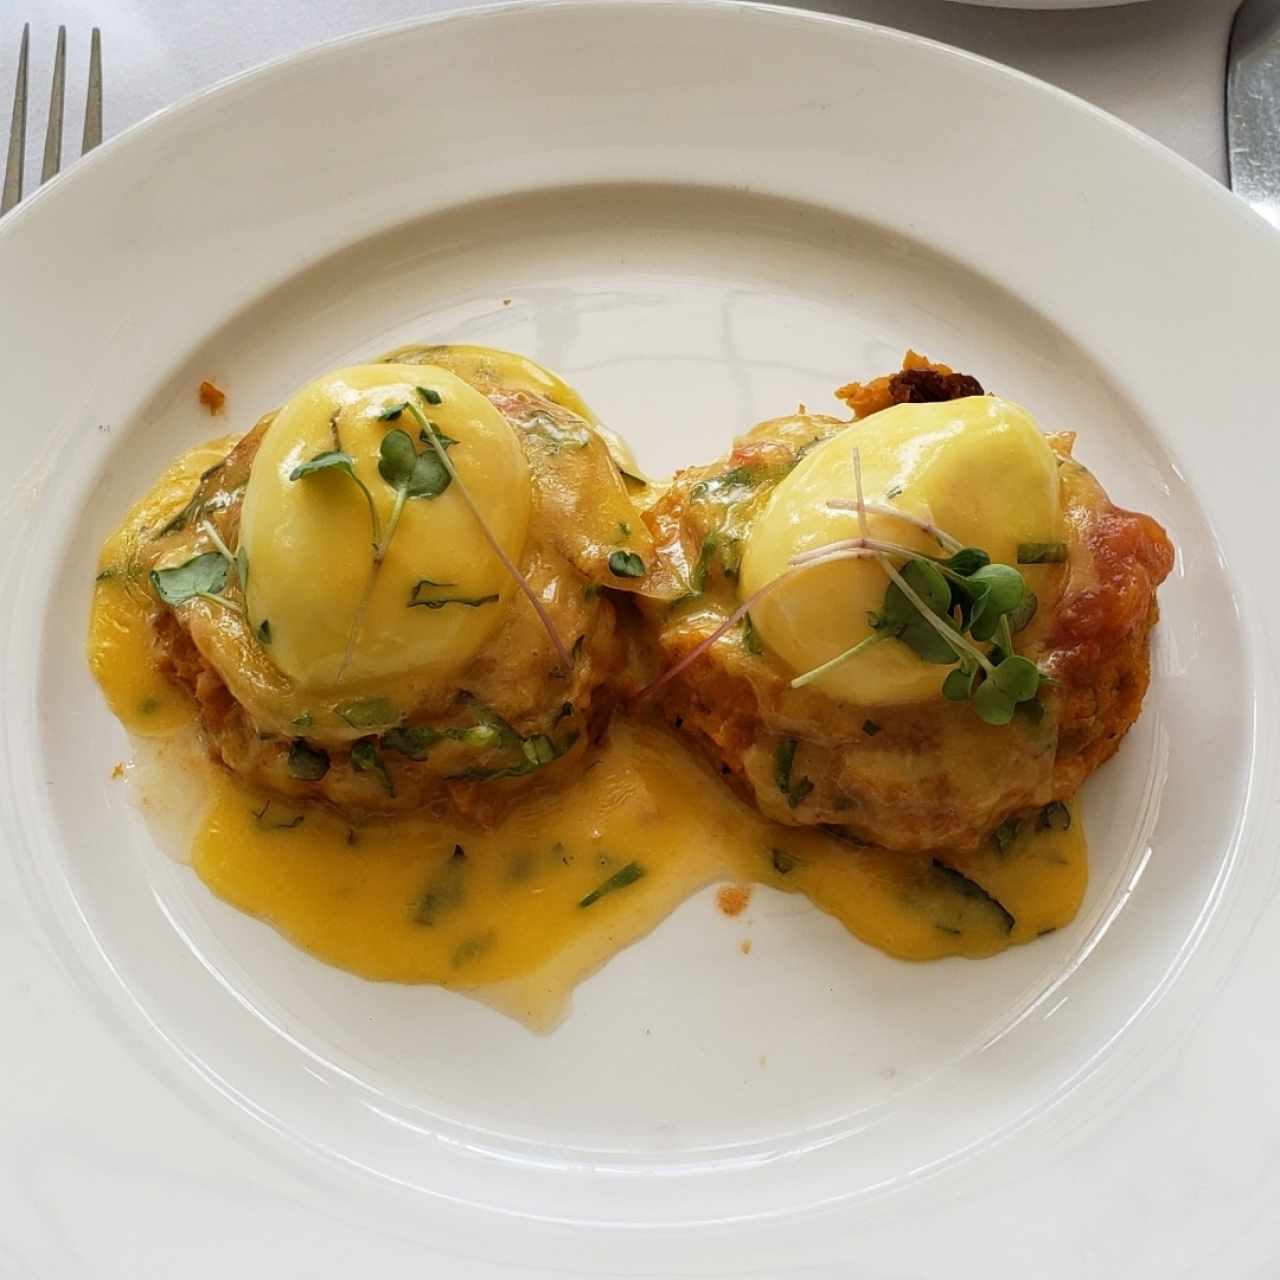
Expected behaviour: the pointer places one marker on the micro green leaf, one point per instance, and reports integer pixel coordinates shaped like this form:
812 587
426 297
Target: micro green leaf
203 575
343 464
956 686
966 561
264 632
430 395
329 460
1022 615
1017 677
1004 584
924 640
393 411
925 578
992 703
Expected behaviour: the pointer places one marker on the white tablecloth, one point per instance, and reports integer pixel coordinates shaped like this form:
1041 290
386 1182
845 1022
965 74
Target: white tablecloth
1158 65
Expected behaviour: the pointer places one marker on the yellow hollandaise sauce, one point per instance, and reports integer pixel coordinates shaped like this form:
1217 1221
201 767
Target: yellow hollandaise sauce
977 468
519 915
120 656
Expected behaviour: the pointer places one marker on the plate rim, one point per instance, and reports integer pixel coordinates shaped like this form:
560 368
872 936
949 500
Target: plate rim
176 111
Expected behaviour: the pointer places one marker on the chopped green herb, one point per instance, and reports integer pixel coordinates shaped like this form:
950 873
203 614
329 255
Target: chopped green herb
783 760
302 722
149 706
626 564
1005 834
393 411
430 395
264 632
784 863
750 637
560 437
698 579
282 824
972 892
369 713
414 741
894 492
445 891
739 477
591 590
1042 552
1055 816
469 948
536 751
365 759
629 874
417 601
307 763
870 728
624 529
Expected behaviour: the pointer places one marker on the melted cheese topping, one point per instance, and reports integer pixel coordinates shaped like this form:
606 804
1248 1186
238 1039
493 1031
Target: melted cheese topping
978 468
309 540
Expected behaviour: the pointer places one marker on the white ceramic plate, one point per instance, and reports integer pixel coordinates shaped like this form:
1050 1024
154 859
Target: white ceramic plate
701 214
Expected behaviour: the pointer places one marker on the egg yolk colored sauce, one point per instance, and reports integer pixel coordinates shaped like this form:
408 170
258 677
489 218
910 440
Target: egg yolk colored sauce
518 915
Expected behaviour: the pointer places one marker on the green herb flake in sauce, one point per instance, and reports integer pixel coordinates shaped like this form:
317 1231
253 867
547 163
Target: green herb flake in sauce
365 759
626 564
1055 816
1042 552
445 890
629 874
307 763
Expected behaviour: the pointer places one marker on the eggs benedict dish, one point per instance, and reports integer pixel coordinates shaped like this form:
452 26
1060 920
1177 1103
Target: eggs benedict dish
463 689
920 630
387 595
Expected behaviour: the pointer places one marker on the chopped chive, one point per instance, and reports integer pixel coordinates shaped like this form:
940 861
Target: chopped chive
629 874
1042 552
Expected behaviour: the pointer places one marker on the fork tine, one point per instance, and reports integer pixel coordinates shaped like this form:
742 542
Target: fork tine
17 131
53 135
93 99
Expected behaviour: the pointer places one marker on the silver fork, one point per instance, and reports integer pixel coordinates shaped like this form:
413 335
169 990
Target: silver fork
92 135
